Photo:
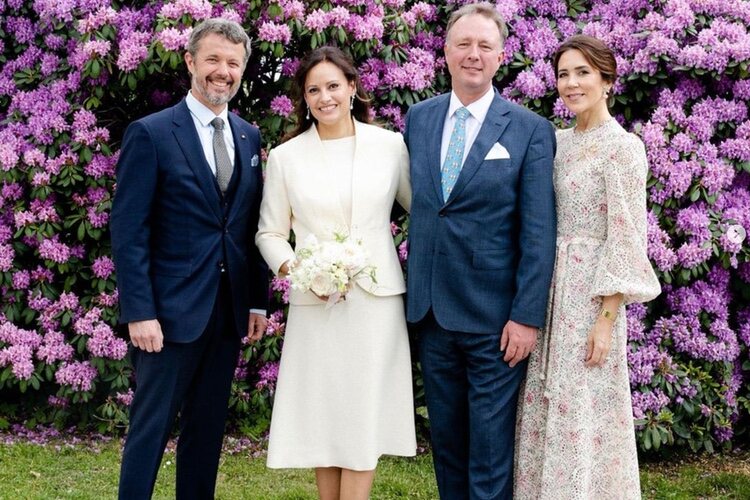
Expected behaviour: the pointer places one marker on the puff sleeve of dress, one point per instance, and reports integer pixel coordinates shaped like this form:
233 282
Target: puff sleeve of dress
624 266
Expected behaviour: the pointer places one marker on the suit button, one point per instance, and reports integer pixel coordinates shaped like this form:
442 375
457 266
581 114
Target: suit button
441 213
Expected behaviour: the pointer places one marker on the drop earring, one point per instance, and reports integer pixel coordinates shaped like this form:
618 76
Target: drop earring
308 112
351 102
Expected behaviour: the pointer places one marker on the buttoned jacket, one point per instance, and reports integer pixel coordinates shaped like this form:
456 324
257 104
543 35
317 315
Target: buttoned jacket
301 194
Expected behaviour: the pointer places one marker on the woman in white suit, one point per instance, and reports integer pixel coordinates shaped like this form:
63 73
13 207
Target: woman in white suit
344 393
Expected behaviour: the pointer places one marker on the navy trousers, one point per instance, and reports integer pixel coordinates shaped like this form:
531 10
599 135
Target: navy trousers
471 399
195 380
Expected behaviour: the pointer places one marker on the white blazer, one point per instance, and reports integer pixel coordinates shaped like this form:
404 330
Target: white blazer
300 194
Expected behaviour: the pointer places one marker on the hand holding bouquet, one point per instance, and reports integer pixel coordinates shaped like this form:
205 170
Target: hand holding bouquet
328 268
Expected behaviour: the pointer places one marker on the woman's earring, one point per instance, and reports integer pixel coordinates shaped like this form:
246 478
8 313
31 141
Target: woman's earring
351 102
308 112
606 92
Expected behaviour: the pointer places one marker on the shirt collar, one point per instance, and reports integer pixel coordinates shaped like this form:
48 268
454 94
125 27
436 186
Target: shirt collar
202 113
478 108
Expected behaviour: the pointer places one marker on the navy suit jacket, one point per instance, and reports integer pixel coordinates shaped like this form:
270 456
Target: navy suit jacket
485 255
173 232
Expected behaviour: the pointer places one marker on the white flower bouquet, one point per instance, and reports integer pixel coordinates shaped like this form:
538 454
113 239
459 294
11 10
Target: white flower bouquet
328 268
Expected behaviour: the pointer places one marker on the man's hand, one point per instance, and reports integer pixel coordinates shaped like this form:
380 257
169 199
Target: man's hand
256 326
517 341
146 335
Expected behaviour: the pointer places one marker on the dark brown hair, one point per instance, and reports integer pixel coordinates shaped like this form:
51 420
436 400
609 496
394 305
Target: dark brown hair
596 53
344 62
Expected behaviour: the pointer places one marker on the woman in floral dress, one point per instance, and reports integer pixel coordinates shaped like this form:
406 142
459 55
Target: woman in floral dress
575 426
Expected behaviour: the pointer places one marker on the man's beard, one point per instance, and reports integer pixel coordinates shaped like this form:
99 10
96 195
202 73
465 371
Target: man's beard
213 98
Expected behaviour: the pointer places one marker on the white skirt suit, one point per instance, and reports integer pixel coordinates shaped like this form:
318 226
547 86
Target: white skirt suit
344 392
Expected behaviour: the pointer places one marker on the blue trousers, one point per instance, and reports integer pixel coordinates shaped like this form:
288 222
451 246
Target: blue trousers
471 399
195 380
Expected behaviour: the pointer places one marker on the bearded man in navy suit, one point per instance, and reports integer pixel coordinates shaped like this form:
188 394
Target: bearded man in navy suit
190 278
481 254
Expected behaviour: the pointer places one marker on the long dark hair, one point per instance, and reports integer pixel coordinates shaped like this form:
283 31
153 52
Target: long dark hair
344 62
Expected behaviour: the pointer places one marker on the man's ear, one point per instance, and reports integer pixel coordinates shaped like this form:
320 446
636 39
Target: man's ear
189 61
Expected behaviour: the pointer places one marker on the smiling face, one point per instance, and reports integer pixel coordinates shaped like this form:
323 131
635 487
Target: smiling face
216 71
328 94
473 52
580 85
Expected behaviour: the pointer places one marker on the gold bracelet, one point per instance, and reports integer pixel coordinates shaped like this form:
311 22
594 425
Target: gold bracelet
606 313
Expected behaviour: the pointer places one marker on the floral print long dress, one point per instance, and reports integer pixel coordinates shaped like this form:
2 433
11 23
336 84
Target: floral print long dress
575 436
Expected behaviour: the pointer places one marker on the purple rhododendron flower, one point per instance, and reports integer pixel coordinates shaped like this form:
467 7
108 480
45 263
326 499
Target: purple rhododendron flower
282 105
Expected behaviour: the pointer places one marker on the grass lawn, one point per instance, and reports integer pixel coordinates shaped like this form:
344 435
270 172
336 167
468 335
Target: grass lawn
30 471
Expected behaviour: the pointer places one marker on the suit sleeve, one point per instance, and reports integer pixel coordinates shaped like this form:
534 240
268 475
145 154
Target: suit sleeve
130 225
407 119
258 271
275 217
538 229
403 195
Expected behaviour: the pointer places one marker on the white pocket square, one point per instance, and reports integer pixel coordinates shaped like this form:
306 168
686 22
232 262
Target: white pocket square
498 152
254 161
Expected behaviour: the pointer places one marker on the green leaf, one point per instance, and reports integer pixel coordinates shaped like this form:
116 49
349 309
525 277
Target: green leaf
86 155
96 68
655 438
708 445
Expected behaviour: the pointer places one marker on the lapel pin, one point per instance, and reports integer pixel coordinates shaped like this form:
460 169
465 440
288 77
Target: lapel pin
242 136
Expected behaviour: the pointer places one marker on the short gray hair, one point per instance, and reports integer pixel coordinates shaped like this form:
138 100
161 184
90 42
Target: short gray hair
230 30
483 9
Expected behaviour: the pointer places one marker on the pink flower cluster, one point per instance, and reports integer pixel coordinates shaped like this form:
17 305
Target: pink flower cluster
282 105
267 376
274 32
79 375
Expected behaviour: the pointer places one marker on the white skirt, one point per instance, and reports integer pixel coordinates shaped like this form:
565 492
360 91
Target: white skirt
344 393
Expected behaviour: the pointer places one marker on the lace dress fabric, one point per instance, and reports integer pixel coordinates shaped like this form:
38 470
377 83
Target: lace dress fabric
575 435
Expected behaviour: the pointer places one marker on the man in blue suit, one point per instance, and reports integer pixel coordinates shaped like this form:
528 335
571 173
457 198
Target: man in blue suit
481 254
191 280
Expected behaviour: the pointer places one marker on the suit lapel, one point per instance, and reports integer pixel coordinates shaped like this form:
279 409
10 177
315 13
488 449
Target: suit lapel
435 137
243 157
187 138
493 127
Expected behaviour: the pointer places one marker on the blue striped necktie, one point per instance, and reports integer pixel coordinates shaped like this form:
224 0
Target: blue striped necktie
454 157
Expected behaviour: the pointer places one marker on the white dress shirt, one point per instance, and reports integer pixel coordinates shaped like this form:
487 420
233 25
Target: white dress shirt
478 111
202 117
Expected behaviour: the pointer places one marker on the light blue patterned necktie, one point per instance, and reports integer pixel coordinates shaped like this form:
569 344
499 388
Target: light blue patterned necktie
454 157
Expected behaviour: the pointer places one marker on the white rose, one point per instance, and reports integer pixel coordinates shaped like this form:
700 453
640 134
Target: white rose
322 284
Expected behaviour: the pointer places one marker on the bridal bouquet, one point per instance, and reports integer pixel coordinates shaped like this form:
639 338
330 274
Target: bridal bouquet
329 268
